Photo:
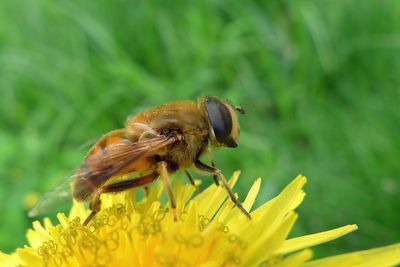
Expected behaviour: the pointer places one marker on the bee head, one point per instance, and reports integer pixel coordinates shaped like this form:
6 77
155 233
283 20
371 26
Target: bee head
222 120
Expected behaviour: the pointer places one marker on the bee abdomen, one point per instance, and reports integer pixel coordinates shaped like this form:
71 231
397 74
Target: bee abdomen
82 189
85 182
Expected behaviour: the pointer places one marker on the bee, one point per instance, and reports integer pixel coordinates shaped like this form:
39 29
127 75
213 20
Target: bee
156 143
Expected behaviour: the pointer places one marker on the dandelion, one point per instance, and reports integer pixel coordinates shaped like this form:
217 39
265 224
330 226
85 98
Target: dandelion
210 231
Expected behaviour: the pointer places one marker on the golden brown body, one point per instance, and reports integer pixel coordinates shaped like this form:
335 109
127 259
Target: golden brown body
182 118
155 143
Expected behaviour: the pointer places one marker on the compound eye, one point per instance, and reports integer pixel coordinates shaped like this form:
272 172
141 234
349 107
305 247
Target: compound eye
221 121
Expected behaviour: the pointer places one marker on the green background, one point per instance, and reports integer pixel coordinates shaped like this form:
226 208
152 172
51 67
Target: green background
319 81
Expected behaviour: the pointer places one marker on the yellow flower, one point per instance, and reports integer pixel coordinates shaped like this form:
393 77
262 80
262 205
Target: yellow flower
210 231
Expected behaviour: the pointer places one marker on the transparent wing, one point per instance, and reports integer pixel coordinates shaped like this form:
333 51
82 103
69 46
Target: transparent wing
110 160
59 195
88 144
99 166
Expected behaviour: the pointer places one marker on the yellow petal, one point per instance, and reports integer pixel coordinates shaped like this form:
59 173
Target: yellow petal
182 194
78 210
8 260
38 235
295 259
382 257
287 200
251 196
29 256
210 264
269 217
211 199
302 242
225 212
266 244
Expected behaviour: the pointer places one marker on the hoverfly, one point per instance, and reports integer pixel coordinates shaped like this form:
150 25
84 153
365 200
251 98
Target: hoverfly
155 143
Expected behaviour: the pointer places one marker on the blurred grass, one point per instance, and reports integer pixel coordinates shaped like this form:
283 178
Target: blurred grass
319 81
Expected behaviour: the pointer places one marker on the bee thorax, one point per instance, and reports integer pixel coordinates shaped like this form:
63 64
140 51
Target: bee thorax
186 150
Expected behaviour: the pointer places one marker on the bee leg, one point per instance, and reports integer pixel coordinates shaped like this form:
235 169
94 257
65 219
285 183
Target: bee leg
128 184
89 218
167 183
215 177
217 172
231 194
192 180
210 155
95 205
146 190
189 176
